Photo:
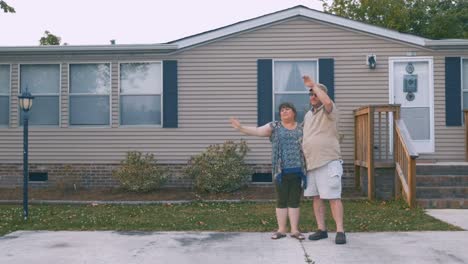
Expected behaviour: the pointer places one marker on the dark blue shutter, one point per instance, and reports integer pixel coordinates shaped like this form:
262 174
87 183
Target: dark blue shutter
170 111
264 91
453 109
327 75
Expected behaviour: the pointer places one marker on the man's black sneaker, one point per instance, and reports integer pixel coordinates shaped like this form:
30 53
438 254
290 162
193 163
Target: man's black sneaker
340 238
319 234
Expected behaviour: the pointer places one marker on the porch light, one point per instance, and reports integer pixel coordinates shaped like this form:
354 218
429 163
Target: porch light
371 61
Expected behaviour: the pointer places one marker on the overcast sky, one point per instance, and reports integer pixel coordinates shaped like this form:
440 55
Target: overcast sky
89 22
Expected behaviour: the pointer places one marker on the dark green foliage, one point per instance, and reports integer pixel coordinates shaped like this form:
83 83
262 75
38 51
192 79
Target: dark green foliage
49 39
6 8
435 19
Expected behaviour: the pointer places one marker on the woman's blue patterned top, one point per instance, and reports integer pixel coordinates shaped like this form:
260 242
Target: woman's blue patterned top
287 155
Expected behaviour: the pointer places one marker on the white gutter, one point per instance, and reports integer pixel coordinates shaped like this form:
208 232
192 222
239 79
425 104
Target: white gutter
90 48
447 44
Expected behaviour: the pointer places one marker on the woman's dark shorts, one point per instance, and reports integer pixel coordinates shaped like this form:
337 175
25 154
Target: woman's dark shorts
288 193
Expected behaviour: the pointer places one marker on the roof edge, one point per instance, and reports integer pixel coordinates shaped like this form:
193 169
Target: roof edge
447 44
292 12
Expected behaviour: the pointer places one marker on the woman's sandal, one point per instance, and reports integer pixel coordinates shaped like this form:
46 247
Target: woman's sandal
277 235
298 236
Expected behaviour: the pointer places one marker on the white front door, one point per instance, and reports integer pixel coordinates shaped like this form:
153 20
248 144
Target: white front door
412 86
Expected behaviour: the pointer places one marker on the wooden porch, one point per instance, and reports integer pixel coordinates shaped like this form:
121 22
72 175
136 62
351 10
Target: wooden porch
375 147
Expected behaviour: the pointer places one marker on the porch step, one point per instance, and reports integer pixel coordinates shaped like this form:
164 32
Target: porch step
443 203
447 192
441 180
443 186
459 168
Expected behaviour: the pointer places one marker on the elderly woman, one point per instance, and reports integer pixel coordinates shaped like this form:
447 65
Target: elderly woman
288 166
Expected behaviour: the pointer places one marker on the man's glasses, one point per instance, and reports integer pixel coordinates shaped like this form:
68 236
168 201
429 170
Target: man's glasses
312 94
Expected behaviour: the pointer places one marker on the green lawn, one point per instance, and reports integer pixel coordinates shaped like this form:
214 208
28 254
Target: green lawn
360 216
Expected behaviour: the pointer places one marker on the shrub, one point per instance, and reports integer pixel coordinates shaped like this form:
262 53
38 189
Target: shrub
139 173
220 168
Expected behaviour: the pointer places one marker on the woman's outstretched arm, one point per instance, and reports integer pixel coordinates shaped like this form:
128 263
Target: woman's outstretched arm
263 131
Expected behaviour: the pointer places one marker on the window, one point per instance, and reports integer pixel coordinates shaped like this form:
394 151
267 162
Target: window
140 93
289 87
465 83
90 88
43 82
4 95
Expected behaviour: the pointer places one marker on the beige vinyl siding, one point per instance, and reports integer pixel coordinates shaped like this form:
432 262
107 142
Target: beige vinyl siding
106 145
14 115
219 80
64 98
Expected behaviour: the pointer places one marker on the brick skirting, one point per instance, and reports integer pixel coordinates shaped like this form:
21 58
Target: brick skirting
100 175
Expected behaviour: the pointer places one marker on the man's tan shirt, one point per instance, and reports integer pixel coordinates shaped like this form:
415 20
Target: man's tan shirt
321 140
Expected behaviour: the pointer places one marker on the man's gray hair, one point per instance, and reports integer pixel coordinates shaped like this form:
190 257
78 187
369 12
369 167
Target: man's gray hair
323 87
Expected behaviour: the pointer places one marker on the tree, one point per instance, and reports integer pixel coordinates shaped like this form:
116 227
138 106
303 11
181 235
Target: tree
6 8
49 39
435 19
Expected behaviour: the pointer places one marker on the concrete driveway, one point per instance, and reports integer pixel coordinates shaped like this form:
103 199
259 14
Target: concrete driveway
46 247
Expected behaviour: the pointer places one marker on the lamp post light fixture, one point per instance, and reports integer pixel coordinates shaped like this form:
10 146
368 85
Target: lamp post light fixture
25 102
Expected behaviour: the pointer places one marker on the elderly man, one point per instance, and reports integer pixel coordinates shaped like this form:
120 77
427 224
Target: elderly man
323 157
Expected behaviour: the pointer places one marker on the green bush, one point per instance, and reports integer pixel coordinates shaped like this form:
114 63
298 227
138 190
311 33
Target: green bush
220 168
139 173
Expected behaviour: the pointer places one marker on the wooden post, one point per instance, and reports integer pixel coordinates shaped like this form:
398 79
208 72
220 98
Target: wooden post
411 181
357 174
396 113
370 154
396 158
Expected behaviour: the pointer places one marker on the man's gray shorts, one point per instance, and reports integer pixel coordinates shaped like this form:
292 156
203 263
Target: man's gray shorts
325 181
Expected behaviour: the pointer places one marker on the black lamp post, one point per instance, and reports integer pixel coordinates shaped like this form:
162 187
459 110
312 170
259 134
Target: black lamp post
25 102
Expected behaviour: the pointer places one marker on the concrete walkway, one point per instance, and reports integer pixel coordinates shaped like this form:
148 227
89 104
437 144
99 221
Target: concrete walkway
457 217
44 247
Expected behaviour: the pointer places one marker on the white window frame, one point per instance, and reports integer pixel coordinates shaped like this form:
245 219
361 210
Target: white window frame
87 94
293 92
8 95
42 94
120 94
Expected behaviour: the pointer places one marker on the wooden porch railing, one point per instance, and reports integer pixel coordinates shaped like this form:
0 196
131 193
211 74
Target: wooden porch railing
372 142
372 148
405 164
466 133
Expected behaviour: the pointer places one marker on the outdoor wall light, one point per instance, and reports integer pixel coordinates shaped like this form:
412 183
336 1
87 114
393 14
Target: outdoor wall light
371 61
25 102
